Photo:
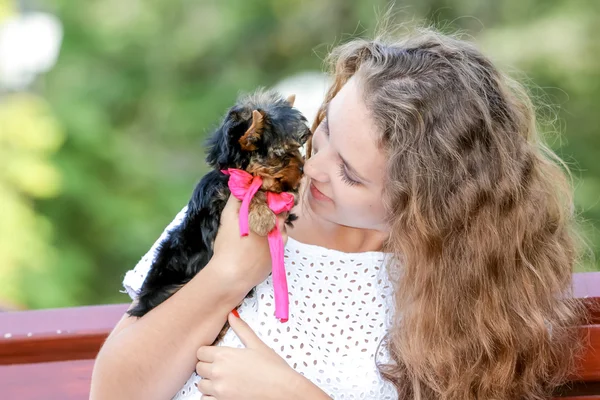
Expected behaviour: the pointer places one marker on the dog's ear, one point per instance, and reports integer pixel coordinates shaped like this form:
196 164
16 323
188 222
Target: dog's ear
291 98
251 137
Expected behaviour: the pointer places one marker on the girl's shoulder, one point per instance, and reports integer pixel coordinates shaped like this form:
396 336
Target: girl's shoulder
294 246
333 261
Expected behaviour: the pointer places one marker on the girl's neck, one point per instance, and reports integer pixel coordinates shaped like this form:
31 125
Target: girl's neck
312 229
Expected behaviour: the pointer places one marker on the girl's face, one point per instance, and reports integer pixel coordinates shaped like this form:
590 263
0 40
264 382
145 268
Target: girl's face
346 169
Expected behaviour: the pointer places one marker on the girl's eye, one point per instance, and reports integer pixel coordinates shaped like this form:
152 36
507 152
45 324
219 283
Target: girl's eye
345 177
342 170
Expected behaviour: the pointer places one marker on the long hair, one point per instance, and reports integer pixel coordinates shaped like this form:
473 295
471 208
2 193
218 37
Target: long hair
481 217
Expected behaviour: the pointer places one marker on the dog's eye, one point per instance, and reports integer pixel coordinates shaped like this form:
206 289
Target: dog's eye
305 136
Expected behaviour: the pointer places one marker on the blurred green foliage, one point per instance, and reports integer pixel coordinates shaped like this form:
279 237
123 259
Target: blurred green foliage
138 84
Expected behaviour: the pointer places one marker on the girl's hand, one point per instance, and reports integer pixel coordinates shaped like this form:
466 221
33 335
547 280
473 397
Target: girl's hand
243 258
255 372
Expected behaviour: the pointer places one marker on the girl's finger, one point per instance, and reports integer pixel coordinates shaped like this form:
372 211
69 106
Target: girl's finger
232 207
281 220
234 202
248 337
282 229
205 387
207 353
204 369
281 225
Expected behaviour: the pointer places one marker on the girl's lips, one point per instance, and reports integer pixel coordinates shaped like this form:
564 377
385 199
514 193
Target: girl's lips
316 193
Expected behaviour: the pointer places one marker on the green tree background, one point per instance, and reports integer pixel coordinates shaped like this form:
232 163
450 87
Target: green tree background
113 142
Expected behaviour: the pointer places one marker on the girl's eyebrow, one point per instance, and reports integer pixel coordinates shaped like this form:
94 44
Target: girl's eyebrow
350 167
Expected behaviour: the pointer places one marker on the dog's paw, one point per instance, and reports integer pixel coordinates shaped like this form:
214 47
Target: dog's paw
261 219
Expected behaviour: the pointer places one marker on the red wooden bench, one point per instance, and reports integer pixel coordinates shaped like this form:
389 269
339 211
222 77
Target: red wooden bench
49 354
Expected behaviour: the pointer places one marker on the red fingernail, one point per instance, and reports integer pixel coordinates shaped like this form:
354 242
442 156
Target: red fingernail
234 311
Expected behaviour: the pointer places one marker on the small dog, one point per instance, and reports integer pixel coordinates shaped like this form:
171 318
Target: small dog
261 134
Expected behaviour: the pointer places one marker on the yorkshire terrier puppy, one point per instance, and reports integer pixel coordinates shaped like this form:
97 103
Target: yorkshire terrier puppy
261 134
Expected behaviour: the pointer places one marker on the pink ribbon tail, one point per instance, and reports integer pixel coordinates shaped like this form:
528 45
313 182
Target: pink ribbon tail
279 277
279 203
245 207
244 186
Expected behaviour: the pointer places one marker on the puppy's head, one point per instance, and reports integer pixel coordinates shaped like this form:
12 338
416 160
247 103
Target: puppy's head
262 134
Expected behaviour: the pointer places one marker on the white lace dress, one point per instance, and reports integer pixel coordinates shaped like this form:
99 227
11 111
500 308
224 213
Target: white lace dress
340 308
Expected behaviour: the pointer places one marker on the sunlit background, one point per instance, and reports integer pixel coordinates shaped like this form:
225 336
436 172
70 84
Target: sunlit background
104 105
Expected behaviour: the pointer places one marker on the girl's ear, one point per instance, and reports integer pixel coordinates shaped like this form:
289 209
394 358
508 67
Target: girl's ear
251 137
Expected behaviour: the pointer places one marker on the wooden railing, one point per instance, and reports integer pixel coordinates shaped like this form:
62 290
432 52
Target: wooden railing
49 354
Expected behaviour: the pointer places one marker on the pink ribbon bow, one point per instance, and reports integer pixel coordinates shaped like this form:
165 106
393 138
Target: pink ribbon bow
244 186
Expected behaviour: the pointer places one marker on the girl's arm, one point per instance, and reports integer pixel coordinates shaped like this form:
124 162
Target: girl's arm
152 357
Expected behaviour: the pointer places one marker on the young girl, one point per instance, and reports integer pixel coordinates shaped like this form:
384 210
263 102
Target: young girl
432 258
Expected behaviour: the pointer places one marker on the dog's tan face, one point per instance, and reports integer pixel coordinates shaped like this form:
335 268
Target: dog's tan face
279 173
279 162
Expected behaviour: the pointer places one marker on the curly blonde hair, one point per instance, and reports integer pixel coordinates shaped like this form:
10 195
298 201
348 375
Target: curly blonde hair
482 222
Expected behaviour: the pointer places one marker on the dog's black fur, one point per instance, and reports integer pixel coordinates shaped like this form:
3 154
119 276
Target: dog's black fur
189 247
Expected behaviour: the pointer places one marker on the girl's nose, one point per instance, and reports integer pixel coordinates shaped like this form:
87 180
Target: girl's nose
314 168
